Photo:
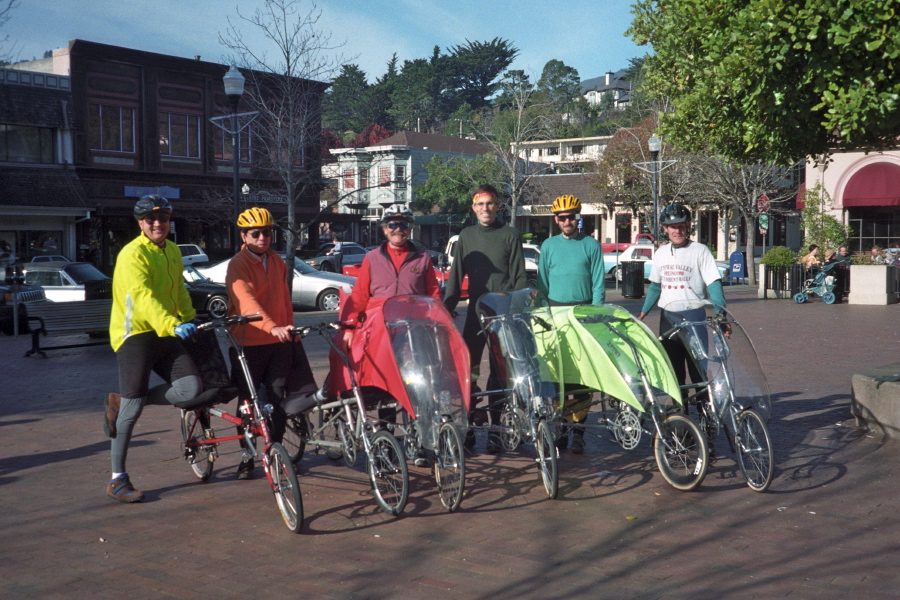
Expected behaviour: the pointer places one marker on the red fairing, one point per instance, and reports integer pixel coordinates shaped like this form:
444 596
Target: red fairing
373 357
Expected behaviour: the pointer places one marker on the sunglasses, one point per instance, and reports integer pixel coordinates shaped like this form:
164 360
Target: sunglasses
258 232
567 217
401 225
158 218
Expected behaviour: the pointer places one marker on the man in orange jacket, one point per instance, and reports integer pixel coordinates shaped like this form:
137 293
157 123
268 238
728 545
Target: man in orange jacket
257 284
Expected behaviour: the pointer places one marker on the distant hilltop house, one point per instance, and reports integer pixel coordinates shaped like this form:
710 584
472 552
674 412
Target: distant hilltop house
613 86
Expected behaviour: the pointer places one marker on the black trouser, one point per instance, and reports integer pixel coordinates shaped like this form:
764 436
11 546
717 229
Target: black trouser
269 364
476 341
683 363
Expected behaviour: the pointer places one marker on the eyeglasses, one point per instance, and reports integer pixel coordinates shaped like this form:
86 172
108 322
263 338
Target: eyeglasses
255 233
567 217
488 204
163 218
401 225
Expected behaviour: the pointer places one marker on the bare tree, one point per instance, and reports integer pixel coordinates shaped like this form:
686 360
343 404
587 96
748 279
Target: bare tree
523 120
7 51
285 87
741 187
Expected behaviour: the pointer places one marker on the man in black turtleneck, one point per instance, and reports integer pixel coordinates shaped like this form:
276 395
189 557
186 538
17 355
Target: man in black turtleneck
490 253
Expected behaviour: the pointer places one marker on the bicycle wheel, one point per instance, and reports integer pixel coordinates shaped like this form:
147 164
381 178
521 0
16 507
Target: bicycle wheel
450 467
546 458
295 434
283 478
200 457
754 450
681 453
388 473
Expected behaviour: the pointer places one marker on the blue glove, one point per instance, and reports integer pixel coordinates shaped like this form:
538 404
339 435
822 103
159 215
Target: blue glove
186 330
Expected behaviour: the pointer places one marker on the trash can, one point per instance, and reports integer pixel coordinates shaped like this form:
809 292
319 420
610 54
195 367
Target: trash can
633 278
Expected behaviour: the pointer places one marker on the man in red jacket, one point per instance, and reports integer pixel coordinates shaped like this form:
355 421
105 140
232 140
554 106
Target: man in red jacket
257 284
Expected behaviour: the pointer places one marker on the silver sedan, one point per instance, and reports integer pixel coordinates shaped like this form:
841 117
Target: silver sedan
312 289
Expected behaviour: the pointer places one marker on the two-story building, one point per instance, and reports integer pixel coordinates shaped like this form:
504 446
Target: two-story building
141 124
566 154
42 200
611 88
372 178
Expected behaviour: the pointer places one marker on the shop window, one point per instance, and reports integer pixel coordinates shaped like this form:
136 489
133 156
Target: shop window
111 128
179 135
26 144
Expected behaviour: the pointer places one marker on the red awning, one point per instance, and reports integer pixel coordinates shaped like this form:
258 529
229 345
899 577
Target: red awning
877 184
801 197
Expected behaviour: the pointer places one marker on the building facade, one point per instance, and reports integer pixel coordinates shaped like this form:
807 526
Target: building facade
42 202
141 124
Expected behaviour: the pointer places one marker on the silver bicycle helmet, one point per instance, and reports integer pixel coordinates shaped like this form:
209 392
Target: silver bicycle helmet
673 214
397 211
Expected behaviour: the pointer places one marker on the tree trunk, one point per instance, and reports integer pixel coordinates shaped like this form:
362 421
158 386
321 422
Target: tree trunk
751 248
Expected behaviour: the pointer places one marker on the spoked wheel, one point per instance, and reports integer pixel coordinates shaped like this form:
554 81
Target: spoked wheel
450 466
754 450
681 453
800 297
200 457
828 298
284 484
388 473
626 427
339 432
511 429
295 434
546 458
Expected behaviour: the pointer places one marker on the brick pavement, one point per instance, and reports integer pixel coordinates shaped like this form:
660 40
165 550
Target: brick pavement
826 529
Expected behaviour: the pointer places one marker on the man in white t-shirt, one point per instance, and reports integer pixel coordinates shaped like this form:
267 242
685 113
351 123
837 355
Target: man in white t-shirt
684 279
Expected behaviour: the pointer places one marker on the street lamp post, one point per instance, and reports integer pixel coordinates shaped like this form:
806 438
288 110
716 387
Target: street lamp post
655 145
653 168
234 89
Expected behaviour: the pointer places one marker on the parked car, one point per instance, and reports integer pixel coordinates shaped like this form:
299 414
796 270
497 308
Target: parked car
49 258
312 289
192 254
207 297
62 281
26 295
350 253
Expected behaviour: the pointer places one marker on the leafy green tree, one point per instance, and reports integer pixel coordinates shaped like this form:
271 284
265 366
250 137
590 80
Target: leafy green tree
560 83
474 68
819 225
774 80
451 182
346 104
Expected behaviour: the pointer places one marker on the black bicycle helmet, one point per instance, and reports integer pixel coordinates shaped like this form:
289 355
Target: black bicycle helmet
673 214
148 204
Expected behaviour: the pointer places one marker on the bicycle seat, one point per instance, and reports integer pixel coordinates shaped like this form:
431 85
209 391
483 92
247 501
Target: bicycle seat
301 402
210 397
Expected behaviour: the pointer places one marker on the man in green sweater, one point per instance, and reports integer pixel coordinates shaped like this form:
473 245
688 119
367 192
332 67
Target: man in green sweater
490 253
571 272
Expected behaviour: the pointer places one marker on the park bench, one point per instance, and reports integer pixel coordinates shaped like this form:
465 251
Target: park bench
68 318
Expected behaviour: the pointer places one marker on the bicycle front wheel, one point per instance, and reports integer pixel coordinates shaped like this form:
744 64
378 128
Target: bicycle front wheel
546 458
199 456
295 433
681 453
388 473
754 450
450 467
283 478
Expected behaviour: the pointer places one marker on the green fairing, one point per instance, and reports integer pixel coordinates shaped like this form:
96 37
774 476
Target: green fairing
584 346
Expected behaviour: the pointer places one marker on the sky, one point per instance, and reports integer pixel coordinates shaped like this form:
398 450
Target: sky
585 34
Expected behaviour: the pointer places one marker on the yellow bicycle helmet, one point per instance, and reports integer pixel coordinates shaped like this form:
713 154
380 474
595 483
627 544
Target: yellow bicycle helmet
255 217
566 204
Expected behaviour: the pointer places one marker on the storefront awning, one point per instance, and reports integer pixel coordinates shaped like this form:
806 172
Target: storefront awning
877 184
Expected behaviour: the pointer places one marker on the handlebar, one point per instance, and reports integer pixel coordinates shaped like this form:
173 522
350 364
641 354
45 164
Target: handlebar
320 328
228 321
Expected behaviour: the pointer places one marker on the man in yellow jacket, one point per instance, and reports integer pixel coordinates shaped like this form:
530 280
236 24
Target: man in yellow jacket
151 311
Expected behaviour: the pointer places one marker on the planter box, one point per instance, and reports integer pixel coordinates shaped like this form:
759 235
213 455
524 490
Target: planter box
871 284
